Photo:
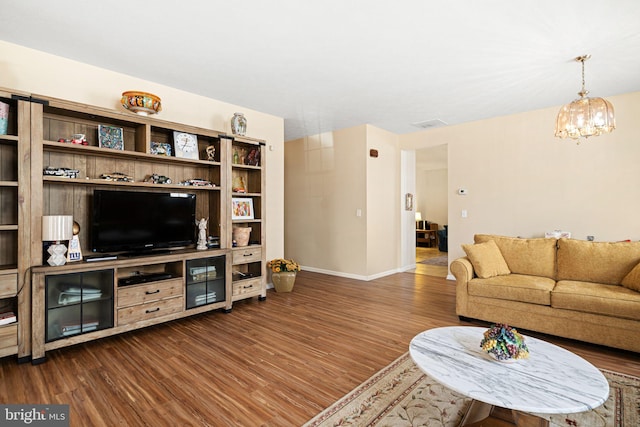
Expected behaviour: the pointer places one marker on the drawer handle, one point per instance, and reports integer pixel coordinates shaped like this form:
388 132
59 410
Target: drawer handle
248 286
247 255
153 311
152 292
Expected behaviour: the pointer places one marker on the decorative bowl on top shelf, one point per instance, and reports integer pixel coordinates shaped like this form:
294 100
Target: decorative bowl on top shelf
504 343
141 103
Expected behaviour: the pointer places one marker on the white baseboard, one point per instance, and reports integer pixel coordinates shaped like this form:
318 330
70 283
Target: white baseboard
349 275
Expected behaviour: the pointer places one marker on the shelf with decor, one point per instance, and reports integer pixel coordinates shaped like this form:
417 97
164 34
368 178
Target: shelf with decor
84 148
15 202
247 218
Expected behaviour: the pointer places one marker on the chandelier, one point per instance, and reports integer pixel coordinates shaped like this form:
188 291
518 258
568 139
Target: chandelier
585 117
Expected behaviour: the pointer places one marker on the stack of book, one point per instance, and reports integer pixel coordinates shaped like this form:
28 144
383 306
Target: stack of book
205 298
77 294
7 317
73 328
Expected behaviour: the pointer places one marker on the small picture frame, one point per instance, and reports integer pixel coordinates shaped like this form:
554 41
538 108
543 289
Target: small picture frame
160 148
110 137
241 208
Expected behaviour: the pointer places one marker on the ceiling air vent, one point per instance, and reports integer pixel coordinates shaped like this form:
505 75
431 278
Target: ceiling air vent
429 124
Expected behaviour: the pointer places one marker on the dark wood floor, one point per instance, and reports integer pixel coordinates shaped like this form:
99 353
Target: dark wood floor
271 363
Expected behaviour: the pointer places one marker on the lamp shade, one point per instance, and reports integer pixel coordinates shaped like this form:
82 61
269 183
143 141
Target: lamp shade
418 216
57 227
585 117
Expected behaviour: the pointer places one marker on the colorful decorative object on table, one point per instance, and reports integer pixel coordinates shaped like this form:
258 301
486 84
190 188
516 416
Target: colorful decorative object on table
141 103
504 343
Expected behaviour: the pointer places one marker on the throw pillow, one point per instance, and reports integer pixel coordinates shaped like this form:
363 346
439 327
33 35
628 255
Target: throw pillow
632 280
487 260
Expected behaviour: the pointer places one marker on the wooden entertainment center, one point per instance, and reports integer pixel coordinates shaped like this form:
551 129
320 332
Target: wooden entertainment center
80 301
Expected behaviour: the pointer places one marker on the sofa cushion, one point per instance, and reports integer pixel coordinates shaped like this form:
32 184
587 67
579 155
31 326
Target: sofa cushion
588 297
486 259
632 279
536 257
598 262
514 287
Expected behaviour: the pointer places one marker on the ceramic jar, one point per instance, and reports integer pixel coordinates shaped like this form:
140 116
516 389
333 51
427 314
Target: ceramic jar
283 281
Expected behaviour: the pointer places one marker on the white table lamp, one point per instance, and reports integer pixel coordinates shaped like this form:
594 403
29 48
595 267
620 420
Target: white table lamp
57 229
419 220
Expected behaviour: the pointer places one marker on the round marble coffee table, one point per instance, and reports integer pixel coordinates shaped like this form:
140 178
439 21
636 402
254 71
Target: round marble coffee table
551 381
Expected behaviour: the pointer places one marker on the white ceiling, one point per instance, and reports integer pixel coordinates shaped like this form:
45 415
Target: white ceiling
331 64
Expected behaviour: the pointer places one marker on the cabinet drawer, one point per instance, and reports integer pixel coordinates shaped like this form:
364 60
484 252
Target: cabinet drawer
8 285
247 286
249 254
150 310
8 336
139 294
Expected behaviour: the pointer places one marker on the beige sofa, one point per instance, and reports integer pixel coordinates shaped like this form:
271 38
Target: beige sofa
588 291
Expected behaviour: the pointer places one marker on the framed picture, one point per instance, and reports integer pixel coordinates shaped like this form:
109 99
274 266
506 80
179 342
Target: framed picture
110 137
241 208
160 148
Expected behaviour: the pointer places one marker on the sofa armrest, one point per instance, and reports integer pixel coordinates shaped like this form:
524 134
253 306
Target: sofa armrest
462 270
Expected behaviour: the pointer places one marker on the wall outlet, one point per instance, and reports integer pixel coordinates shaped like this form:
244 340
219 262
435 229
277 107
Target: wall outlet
590 238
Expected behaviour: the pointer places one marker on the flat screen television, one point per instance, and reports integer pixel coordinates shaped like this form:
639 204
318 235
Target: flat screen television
141 221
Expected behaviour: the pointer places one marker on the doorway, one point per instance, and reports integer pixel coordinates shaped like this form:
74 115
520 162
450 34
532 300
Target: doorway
431 174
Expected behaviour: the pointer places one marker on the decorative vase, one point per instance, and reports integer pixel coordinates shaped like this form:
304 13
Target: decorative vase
283 281
241 235
238 124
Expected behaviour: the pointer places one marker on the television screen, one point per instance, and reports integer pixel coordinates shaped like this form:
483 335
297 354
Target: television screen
141 221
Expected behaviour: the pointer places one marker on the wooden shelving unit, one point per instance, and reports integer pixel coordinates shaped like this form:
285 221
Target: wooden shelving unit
37 124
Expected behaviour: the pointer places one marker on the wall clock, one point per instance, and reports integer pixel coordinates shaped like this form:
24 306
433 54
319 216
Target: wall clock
186 145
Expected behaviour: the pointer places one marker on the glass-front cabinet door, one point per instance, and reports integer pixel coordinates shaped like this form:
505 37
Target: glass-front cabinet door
78 303
205 281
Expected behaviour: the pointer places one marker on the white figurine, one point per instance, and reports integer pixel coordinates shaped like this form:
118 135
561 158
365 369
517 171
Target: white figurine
202 234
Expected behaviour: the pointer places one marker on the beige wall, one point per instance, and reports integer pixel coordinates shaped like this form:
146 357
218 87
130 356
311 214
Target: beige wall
36 72
384 203
432 195
522 181
342 206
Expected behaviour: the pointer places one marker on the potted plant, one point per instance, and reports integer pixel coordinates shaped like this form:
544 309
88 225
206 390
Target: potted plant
283 273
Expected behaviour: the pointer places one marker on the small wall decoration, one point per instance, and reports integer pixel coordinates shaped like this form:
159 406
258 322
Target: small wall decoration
186 145
110 137
241 208
408 202
161 148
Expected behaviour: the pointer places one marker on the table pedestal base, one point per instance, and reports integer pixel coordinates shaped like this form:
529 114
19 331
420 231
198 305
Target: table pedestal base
482 414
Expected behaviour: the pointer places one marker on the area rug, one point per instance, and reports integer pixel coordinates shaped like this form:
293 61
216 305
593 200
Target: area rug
401 395
442 261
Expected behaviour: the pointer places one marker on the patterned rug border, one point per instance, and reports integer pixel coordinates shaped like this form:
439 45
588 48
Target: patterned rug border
372 381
